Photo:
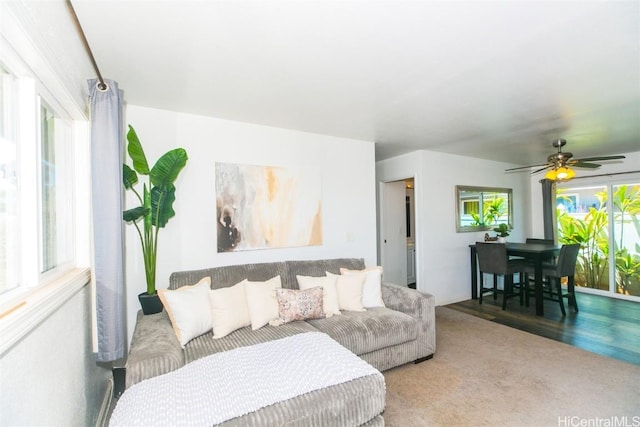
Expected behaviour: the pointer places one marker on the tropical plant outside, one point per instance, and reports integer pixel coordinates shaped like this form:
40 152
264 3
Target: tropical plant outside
493 210
626 201
589 226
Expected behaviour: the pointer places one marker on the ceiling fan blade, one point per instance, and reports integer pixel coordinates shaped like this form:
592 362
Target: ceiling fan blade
540 170
606 174
595 159
527 167
581 164
562 159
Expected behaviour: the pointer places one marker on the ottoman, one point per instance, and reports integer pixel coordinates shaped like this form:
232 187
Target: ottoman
305 379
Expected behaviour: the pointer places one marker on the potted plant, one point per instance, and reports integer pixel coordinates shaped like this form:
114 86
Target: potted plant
156 207
502 230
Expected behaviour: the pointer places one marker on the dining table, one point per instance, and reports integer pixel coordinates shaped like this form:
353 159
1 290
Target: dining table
536 253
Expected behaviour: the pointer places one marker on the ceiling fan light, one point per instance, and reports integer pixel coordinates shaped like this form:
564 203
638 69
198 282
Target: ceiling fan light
564 173
551 175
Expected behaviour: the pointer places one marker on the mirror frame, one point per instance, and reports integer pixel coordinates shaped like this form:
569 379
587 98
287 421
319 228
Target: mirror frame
481 191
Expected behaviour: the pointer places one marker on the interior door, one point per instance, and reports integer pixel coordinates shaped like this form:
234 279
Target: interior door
393 233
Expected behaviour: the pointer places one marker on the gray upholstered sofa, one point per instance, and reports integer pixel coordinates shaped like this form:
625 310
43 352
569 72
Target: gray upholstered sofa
385 337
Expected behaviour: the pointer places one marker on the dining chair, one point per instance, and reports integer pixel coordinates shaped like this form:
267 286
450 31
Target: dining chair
536 240
546 242
493 259
564 266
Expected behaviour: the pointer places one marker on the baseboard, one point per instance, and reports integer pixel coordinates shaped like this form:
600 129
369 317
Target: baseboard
106 405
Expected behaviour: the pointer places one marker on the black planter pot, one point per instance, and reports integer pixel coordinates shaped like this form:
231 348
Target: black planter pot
150 304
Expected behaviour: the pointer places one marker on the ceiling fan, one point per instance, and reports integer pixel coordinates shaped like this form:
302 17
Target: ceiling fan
560 163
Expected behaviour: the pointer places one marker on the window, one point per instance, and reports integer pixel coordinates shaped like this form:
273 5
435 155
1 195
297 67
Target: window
55 198
36 187
9 222
471 207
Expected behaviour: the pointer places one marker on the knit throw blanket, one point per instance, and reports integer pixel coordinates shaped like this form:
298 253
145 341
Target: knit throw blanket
233 383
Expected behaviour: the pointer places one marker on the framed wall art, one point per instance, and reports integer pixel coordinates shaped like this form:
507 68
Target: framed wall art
261 207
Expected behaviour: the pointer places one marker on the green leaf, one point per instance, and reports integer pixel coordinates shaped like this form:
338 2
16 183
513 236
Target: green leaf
129 177
162 204
136 152
147 204
158 195
166 170
132 215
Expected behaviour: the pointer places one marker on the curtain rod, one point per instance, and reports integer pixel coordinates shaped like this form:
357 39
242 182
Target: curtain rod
102 86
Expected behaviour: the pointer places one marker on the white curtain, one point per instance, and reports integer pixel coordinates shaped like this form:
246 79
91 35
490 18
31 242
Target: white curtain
107 151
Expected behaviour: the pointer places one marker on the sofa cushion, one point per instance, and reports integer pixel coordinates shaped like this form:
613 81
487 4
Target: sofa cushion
317 268
366 331
229 275
154 350
205 345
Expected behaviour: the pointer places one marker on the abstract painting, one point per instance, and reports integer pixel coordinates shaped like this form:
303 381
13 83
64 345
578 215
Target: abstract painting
260 207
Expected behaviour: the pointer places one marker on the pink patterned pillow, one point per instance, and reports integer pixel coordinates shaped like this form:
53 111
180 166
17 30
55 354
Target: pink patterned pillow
299 305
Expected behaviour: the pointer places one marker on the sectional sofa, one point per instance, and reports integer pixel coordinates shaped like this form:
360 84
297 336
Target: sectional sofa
399 332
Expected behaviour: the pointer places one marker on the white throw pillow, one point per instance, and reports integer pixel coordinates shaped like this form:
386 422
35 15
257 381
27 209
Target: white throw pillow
372 291
229 309
189 309
329 292
349 289
262 301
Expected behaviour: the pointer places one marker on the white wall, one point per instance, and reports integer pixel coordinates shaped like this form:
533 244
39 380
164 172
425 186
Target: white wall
347 168
50 377
442 254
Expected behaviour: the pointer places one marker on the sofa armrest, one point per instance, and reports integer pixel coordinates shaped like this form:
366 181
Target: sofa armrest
420 306
155 349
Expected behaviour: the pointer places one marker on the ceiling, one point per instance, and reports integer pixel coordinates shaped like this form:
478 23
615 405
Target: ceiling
488 79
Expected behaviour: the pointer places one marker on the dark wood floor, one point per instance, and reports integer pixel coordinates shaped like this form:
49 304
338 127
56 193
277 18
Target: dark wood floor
607 326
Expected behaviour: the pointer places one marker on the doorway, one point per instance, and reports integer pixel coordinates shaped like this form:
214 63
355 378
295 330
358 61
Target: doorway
397 236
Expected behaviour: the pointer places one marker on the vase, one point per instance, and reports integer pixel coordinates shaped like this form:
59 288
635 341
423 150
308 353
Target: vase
502 240
150 304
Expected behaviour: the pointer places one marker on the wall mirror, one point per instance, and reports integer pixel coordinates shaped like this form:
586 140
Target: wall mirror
482 208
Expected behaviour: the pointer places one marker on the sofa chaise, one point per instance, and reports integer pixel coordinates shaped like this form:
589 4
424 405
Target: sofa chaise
402 331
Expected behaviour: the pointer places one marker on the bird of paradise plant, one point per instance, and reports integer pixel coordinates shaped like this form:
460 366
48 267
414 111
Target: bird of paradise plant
156 200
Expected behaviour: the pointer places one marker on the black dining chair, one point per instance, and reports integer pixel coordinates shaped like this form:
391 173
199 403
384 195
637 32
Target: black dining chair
564 266
493 259
536 240
546 242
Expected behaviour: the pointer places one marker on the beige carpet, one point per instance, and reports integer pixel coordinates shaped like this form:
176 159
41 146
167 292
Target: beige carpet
485 373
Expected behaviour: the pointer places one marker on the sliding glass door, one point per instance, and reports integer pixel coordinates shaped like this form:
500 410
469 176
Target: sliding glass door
626 238
605 220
